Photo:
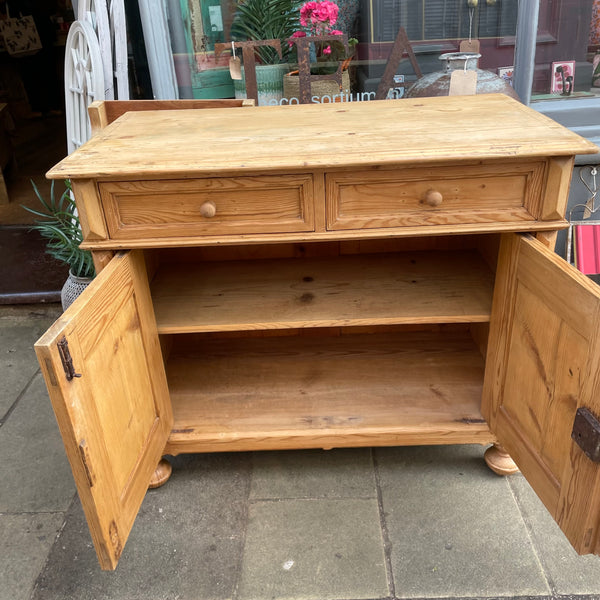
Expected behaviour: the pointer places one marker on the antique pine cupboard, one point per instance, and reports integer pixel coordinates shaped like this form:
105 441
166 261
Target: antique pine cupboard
321 276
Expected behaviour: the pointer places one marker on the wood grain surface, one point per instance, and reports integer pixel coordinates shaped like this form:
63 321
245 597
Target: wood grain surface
211 141
376 289
318 391
114 416
542 364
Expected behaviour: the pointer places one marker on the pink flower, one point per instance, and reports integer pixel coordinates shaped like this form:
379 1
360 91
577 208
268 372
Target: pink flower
327 50
297 34
306 12
320 15
327 12
336 32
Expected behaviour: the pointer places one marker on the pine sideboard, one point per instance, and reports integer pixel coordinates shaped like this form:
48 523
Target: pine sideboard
319 276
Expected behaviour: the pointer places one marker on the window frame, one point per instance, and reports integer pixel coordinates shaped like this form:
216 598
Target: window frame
574 109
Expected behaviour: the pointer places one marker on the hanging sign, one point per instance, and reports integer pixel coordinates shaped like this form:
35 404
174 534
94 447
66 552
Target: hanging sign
235 64
463 83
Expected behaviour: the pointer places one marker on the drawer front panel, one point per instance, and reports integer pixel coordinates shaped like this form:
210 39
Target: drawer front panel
198 207
434 196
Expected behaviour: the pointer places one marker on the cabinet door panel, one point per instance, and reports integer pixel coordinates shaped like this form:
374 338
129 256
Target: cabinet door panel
114 414
543 364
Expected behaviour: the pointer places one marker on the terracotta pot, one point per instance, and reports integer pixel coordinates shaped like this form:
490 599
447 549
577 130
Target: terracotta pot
438 83
321 91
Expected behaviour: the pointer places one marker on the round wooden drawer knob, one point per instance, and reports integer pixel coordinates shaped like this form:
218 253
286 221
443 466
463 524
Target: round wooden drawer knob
208 209
433 198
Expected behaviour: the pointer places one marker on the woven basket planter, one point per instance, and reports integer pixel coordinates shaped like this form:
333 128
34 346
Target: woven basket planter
320 91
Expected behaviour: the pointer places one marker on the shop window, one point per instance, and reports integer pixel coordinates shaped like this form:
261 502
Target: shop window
568 37
568 34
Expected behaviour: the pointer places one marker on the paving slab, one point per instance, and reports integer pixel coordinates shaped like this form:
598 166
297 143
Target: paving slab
568 572
339 473
34 470
26 314
186 542
25 541
18 363
454 527
320 549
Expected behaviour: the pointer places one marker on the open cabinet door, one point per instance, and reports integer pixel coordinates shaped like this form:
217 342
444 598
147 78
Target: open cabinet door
105 375
542 372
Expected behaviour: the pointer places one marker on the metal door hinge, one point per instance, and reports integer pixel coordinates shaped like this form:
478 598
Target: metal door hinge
586 433
66 359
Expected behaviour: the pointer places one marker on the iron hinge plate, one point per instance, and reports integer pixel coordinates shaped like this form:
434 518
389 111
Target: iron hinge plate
586 433
66 359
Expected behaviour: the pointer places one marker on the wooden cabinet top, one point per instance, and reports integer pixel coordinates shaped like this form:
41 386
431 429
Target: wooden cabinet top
282 138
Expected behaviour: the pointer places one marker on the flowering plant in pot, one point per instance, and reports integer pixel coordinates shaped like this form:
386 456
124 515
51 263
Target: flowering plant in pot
317 19
257 20
59 225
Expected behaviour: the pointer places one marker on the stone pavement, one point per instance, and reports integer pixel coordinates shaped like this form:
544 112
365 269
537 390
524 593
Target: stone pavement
417 522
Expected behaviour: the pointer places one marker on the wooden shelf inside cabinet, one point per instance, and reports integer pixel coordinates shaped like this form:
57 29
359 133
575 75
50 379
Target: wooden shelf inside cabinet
373 289
249 393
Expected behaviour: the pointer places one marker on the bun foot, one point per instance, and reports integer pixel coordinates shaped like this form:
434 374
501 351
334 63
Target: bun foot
499 461
161 474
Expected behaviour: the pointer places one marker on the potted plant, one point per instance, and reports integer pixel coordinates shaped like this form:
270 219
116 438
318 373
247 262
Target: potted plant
59 225
266 20
317 18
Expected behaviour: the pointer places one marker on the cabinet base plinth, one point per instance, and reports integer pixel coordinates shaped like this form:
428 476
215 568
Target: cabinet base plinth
499 461
161 474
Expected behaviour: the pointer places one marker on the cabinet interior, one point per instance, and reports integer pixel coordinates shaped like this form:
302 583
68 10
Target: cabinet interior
366 342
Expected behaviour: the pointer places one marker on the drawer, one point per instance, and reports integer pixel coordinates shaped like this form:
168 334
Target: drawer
212 206
434 195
